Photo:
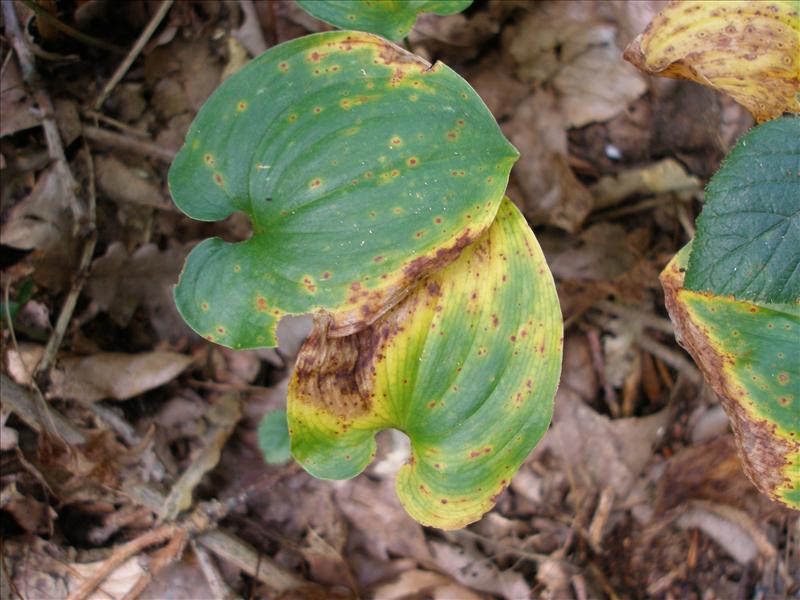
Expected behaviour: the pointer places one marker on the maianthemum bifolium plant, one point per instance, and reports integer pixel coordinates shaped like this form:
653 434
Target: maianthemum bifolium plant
375 185
733 292
374 182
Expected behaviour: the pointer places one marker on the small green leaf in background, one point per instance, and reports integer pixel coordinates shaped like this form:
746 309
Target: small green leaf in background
749 353
24 294
466 366
392 19
748 235
362 168
273 437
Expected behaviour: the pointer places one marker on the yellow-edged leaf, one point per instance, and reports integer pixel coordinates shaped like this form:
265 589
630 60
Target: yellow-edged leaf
748 352
466 366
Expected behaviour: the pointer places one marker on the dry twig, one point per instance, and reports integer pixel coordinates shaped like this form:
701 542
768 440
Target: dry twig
134 52
121 141
216 583
120 555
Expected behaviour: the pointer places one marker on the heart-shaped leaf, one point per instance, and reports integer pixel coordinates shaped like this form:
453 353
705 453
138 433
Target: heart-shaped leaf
392 19
748 352
362 167
748 235
467 366
748 49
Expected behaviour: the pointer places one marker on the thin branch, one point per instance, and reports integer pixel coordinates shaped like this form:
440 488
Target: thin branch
121 141
672 357
68 308
120 555
217 585
134 52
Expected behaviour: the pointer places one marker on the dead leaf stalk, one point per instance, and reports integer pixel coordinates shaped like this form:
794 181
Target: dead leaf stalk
133 53
55 149
162 558
42 374
217 585
120 555
125 142
599 366
672 357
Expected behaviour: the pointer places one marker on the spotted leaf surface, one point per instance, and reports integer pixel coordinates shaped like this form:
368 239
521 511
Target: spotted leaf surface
362 168
748 352
392 19
466 366
747 49
748 235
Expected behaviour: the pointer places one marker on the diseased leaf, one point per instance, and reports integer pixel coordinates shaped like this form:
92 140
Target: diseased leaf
748 352
362 168
466 366
747 49
273 437
748 235
392 19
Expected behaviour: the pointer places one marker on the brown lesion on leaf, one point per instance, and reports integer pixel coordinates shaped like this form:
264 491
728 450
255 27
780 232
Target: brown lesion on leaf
764 454
366 306
336 374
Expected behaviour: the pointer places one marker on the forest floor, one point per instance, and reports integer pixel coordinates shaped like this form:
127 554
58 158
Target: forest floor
129 458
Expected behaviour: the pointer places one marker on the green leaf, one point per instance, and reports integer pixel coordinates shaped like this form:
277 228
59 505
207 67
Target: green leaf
273 437
466 366
362 168
24 294
748 235
392 19
748 352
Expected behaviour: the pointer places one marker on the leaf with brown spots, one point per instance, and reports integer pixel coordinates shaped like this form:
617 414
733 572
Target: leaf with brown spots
748 352
466 366
393 19
338 147
747 49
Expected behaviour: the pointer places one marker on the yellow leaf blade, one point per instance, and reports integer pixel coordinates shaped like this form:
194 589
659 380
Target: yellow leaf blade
747 49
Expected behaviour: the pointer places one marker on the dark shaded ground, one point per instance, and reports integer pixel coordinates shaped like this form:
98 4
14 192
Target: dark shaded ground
635 492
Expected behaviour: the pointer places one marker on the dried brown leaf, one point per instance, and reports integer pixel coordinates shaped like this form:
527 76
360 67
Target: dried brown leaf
658 178
598 451
16 105
372 506
573 45
122 184
119 283
115 375
473 570
551 192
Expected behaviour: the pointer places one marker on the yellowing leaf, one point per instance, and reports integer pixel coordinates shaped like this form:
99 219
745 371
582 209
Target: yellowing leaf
748 352
747 49
466 366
